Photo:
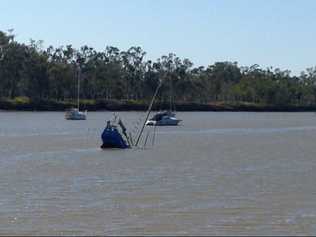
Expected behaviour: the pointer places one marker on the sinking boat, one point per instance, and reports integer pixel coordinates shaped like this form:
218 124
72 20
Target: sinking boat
113 138
115 133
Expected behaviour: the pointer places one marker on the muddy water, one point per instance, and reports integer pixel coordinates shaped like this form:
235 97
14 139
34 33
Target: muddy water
217 174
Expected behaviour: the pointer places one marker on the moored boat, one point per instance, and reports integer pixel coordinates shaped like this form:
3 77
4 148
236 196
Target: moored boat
166 118
75 114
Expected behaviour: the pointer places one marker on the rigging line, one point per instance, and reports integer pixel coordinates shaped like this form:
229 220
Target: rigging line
154 135
148 113
136 125
146 140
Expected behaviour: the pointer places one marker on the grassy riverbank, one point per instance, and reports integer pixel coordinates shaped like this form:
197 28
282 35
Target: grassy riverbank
25 104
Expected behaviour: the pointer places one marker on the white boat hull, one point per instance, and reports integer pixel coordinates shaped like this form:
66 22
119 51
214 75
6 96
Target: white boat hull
75 115
170 121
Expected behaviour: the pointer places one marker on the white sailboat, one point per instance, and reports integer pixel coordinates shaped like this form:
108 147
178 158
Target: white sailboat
74 113
165 118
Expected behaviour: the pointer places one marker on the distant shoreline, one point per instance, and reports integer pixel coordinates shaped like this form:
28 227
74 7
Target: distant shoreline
116 105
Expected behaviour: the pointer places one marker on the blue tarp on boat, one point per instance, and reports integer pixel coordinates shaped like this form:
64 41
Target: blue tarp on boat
113 139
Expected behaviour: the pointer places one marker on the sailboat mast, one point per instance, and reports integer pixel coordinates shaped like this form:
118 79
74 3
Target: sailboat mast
170 96
148 113
78 92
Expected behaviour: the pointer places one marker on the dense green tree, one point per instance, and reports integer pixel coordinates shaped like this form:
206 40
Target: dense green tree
51 74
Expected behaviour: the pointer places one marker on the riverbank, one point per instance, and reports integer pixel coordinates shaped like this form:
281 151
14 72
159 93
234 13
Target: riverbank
25 104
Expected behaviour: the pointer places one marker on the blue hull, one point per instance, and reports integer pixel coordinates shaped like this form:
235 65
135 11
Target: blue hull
113 139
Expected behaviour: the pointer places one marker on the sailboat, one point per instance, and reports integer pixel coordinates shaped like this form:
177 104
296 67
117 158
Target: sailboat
115 134
74 113
165 118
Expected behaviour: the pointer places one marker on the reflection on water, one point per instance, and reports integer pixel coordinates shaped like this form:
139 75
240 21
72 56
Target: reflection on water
217 174
239 130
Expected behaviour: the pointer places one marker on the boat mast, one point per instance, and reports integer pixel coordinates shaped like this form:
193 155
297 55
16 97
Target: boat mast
78 92
170 96
148 113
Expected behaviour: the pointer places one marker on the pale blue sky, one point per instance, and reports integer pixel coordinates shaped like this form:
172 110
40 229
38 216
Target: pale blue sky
279 33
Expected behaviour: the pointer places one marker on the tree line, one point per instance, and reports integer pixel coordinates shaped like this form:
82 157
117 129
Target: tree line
30 71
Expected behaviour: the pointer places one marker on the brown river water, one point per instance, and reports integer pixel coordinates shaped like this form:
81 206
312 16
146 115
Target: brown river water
216 174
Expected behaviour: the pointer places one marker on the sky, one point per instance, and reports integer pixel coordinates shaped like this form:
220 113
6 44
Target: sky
278 33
